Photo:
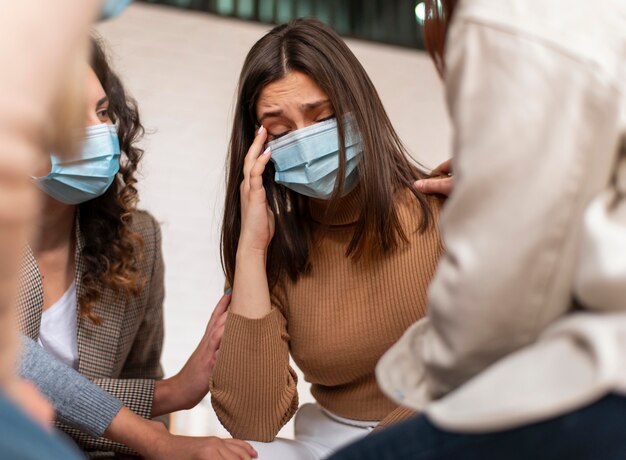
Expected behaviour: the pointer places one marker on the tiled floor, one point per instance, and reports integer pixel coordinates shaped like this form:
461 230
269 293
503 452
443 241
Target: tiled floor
182 68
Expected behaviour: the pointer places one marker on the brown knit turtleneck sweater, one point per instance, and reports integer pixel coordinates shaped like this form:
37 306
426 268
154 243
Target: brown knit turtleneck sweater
336 322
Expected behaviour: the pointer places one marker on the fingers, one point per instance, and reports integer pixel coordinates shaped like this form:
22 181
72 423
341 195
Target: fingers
216 326
443 169
217 333
253 153
220 308
241 448
256 173
228 453
213 360
221 321
442 186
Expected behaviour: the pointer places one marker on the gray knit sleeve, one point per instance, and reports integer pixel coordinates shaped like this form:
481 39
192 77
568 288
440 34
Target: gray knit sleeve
78 402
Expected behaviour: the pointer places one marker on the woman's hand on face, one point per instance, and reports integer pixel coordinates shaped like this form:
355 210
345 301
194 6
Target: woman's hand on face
187 388
257 219
442 185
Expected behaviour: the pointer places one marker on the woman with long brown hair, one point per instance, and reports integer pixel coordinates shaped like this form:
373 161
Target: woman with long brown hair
328 247
522 352
91 286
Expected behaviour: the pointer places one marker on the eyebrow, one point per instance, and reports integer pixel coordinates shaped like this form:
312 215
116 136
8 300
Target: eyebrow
102 101
305 107
314 105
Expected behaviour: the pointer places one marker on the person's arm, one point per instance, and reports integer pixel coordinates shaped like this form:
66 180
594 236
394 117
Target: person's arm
525 117
251 295
88 408
253 389
154 442
78 402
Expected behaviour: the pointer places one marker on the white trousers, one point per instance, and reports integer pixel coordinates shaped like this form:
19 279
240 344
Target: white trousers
316 436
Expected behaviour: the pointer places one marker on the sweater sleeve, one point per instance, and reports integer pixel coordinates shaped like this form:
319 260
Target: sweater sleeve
253 389
135 394
78 402
398 415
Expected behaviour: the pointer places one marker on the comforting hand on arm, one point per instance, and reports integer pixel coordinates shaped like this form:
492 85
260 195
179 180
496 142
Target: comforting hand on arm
442 182
187 388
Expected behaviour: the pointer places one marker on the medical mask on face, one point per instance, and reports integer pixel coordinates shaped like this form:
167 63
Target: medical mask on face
76 180
307 160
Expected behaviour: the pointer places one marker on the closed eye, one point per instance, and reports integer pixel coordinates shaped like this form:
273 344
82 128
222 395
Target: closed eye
273 137
325 119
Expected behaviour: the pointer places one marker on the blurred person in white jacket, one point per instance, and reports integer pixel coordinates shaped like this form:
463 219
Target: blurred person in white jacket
513 361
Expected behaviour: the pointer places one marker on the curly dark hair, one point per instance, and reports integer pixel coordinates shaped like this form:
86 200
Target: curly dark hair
111 249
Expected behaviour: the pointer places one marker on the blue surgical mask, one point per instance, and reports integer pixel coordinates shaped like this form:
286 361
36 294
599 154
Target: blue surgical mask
307 160
76 180
112 8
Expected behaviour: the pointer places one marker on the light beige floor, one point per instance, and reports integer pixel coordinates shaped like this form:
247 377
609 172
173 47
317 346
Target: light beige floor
182 68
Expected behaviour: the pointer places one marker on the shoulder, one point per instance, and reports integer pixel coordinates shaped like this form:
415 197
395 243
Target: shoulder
553 25
145 225
411 210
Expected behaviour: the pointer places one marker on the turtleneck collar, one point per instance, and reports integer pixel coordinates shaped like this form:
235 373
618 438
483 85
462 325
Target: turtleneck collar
346 210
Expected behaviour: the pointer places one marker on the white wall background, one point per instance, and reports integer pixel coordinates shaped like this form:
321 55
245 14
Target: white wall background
182 68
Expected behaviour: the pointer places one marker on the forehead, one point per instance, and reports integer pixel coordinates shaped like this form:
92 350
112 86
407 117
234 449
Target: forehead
94 88
295 88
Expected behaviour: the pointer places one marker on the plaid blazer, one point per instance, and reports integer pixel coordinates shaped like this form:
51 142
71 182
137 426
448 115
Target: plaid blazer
122 355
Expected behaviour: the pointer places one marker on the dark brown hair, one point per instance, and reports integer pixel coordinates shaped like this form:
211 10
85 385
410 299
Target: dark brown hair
310 47
438 16
111 249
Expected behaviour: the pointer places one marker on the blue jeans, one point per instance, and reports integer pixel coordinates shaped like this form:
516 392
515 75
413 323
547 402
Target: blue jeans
596 432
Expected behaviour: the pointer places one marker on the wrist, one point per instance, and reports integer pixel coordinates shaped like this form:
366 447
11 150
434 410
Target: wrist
167 394
143 436
155 439
250 252
179 392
